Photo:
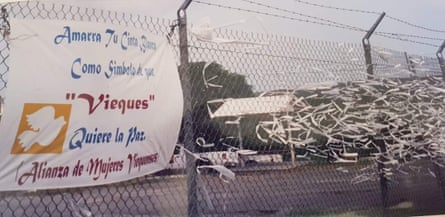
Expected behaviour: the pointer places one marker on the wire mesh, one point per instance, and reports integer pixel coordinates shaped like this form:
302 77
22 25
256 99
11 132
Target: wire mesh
280 179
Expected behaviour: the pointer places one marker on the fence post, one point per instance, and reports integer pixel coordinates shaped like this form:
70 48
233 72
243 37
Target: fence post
440 58
184 73
367 46
381 144
439 178
409 63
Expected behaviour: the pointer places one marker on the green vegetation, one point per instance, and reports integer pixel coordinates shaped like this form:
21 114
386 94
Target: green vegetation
227 85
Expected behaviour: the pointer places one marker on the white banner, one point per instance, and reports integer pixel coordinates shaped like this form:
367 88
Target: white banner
86 104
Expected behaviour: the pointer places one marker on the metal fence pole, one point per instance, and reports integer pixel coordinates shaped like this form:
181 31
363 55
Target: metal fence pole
439 177
184 71
381 171
409 63
367 46
380 143
437 169
440 58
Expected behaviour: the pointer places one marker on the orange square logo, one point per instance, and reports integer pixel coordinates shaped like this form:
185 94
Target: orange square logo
42 129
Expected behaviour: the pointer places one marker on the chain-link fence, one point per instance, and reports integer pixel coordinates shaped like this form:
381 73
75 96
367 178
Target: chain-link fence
245 90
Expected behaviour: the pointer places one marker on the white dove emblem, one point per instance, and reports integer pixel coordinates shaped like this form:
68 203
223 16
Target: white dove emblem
44 128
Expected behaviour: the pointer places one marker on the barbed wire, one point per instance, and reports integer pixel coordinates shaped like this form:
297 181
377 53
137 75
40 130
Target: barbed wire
406 40
324 23
415 25
341 26
305 15
337 23
372 12
337 8
410 36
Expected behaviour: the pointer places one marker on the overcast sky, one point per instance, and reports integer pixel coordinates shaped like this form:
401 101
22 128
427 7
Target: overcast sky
427 13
